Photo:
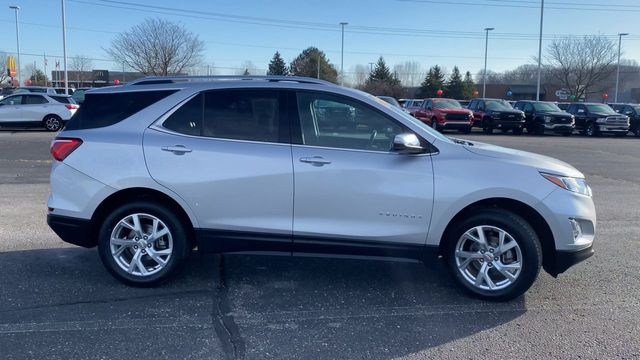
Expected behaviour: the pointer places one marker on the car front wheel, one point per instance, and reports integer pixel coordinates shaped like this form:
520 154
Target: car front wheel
494 255
591 129
52 123
143 244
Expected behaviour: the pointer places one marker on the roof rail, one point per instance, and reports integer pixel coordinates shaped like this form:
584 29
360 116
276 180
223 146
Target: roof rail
151 80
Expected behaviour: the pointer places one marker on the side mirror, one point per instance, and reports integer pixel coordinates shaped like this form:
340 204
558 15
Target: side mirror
407 144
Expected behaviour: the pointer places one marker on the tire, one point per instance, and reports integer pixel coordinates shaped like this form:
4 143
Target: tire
591 130
52 123
566 134
526 253
517 131
487 127
434 124
173 247
636 132
538 129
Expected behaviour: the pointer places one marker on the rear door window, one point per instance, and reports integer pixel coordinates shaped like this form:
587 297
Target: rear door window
34 100
104 109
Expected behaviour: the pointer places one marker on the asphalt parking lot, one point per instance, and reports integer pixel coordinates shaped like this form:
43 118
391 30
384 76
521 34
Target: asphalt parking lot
57 301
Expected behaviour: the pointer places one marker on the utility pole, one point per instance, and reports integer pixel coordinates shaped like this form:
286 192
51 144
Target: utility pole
64 51
615 99
540 51
17 9
371 67
343 24
44 55
318 76
486 48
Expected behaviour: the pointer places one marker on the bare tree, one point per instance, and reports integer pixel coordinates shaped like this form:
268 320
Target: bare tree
409 73
82 65
157 47
3 67
360 74
248 68
580 64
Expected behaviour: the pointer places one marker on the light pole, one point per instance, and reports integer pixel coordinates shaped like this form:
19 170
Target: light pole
540 51
343 24
17 8
64 50
486 47
615 99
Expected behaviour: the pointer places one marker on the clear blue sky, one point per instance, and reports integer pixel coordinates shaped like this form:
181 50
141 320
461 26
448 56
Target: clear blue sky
450 30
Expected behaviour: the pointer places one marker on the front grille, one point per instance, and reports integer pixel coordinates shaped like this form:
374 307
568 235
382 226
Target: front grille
457 117
616 120
561 120
510 117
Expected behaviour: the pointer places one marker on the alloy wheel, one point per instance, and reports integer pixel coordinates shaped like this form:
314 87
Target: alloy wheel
52 124
141 244
488 258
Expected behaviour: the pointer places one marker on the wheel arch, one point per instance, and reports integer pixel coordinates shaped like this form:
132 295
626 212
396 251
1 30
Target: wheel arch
128 195
531 215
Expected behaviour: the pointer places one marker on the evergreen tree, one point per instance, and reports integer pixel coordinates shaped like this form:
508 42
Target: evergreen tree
382 81
433 82
455 85
277 66
246 72
307 63
468 85
381 73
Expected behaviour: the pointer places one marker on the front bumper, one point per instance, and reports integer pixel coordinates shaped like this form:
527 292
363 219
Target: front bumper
566 259
72 230
505 124
559 128
455 125
613 128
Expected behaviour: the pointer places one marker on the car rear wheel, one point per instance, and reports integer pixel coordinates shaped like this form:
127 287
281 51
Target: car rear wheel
591 129
494 255
52 123
143 243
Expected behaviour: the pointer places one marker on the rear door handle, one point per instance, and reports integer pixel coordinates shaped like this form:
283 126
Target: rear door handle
176 149
315 160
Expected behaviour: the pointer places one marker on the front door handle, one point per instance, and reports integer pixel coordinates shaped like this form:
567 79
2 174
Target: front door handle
176 149
315 160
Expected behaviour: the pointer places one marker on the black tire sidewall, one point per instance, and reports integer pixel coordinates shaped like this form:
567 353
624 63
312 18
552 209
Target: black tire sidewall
181 244
523 234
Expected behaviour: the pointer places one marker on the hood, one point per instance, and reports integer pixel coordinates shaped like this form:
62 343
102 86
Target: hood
507 111
555 113
601 115
540 162
454 110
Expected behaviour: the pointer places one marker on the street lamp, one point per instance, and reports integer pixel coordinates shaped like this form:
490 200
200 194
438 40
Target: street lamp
343 24
540 50
17 8
64 51
486 47
615 99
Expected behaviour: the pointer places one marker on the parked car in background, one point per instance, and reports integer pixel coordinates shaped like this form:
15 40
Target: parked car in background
563 105
402 101
6 91
60 90
150 170
544 116
78 95
593 119
633 112
391 100
464 103
33 109
490 114
35 89
412 105
445 114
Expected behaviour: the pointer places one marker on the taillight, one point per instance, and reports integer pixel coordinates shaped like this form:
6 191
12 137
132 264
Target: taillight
62 147
71 106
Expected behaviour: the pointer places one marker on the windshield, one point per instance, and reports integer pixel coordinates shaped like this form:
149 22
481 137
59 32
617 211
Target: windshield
410 118
601 108
498 105
546 107
447 104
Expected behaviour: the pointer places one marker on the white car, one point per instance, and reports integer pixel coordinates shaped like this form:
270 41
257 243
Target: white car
150 170
36 109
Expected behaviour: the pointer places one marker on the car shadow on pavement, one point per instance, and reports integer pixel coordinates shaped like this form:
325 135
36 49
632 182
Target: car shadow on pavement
237 306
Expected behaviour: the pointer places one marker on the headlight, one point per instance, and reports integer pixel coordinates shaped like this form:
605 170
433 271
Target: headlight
576 185
573 120
470 115
601 120
547 118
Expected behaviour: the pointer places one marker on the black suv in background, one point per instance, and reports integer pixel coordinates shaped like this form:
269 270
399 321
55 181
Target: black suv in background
594 119
541 116
490 114
633 112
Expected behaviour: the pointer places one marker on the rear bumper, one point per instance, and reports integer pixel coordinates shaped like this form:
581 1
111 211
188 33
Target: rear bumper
72 230
566 259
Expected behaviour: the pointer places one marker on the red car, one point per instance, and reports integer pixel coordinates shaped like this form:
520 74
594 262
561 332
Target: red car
445 114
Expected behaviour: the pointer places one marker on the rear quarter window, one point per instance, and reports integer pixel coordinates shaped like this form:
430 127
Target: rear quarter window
100 110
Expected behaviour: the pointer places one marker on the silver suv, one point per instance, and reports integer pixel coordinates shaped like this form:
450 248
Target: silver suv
151 170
